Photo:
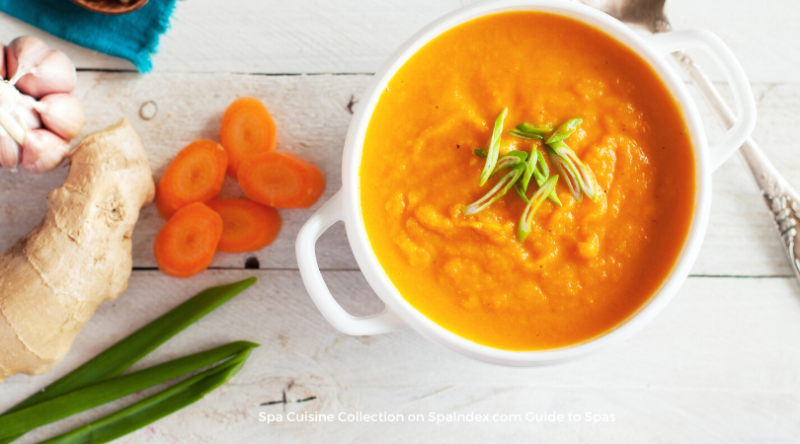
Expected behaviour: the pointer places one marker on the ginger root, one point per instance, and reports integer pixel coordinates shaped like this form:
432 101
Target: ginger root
79 255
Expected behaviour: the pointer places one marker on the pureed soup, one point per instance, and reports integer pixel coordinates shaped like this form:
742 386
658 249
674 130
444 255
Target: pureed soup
583 268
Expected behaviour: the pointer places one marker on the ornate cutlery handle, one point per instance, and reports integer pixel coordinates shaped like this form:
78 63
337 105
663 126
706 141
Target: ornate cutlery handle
781 199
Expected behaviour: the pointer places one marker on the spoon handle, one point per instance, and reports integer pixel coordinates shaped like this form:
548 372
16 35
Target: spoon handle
781 199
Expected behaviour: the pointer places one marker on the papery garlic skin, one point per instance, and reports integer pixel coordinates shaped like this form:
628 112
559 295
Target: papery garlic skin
2 61
23 54
43 151
62 114
11 124
56 73
9 97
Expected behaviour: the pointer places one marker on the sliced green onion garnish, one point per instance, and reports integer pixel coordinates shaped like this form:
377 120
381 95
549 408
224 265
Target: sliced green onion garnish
510 159
521 155
498 191
530 170
539 167
587 180
568 170
518 188
494 148
564 130
524 226
536 166
523 166
583 176
544 172
530 128
554 198
522 135
542 167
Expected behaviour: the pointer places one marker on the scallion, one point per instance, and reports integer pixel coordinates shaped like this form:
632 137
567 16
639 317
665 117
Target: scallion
499 190
531 128
580 177
154 407
119 357
525 222
521 192
528 136
510 159
564 130
76 401
494 148
536 166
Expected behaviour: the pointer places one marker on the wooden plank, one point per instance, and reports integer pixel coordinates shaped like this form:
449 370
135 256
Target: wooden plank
310 111
312 116
718 364
305 36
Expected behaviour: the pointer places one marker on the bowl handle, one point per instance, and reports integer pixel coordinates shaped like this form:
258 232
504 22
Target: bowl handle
327 215
669 42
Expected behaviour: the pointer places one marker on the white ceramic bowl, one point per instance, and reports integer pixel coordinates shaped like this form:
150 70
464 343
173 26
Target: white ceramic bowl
345 205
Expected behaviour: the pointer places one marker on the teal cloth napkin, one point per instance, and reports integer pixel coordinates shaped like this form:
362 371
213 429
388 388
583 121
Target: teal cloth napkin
132 36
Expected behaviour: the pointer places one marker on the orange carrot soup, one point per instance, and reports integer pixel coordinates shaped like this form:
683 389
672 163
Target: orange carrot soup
479 260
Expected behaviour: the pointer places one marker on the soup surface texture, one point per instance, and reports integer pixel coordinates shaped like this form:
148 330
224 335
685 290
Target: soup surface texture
585 267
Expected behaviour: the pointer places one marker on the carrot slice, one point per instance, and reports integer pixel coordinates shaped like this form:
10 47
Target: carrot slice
247 130
186 244
246 225
281 180
196 175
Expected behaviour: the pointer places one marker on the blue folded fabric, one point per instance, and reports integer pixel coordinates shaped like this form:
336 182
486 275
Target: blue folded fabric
132 36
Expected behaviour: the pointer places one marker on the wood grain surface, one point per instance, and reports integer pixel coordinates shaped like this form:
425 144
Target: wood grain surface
720 364
715 366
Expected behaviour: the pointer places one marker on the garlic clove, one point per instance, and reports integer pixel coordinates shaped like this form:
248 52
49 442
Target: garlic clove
62 114
26 114
9 97
43 151
54 74
23 54
10 151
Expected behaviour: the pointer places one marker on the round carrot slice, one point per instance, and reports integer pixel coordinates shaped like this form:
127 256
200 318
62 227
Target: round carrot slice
186 244
246 225
281 180
196 175
247 130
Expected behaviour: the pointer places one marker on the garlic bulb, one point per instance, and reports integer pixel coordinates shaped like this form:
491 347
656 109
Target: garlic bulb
36 134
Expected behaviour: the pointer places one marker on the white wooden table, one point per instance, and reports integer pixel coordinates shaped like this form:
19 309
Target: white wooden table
720 364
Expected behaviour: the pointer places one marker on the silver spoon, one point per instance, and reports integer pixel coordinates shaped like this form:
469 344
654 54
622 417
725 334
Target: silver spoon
782 201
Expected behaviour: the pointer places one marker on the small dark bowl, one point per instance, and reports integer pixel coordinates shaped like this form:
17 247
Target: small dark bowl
110 7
